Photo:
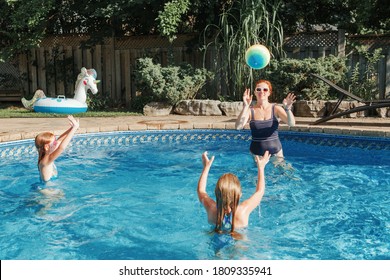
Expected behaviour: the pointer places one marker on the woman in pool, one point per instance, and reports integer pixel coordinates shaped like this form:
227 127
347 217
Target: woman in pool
226 213
263 119
49 149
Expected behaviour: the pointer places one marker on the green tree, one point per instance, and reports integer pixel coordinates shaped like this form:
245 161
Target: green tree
170 18
22 25
355 16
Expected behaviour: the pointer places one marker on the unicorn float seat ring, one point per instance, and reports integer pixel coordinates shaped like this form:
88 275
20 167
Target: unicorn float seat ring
86 80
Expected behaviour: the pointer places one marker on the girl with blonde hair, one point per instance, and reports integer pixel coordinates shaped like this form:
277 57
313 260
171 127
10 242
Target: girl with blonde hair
227 213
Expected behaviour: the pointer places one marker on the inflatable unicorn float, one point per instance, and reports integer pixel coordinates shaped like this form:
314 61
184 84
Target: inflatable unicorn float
86 80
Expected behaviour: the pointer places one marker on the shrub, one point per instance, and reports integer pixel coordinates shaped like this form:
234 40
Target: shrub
169 84
99 102
293 75
364 78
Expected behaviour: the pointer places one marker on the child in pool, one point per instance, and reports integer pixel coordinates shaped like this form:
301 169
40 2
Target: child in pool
227 212
49 149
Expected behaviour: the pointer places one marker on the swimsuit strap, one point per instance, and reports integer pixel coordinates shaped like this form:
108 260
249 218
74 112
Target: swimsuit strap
252 114
272 111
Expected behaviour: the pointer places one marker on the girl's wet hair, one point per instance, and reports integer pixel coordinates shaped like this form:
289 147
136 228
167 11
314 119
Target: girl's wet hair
40 141
227 193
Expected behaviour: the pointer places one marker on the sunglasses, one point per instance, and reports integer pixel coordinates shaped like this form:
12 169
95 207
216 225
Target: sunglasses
262 89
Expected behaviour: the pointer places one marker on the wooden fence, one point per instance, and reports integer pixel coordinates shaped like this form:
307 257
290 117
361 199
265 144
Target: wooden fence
55 65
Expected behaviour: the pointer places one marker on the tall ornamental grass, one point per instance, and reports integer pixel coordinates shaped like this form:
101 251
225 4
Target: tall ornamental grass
241 25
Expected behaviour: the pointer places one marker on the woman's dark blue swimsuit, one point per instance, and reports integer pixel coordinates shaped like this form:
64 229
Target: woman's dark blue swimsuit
265 136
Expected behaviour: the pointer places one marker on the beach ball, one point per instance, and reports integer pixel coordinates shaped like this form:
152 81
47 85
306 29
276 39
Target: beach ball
257 56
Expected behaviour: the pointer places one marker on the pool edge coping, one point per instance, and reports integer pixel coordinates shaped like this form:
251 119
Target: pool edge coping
371 131
150 132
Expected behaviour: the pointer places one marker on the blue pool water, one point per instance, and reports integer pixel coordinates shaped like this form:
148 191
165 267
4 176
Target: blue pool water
132 195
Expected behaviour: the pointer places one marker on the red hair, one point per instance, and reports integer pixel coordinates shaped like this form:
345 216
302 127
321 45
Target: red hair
266 82
40 141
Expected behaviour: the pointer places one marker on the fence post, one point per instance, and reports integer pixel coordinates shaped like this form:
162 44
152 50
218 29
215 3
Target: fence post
380 81
51 86
23 73
69 82
60 70
33 69
41 70
341 43
127 77
117 76
387 80
113 92
98 64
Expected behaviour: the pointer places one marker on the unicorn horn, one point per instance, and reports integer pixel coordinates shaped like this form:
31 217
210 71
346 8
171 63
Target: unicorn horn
96 81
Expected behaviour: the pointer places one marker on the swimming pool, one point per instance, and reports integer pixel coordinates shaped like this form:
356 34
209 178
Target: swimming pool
132 195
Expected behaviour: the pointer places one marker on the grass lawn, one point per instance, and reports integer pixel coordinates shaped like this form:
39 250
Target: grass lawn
9 110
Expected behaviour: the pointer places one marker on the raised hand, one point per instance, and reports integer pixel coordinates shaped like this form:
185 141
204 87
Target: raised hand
206 161
247 97
289 100
262 161
75 123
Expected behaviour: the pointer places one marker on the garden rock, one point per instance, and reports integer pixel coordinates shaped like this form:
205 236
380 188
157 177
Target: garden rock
157 109
317 108
309 109
231 109
383 112
198 107
344 105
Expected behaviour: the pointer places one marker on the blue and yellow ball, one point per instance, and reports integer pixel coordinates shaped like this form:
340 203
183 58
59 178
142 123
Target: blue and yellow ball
257 56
